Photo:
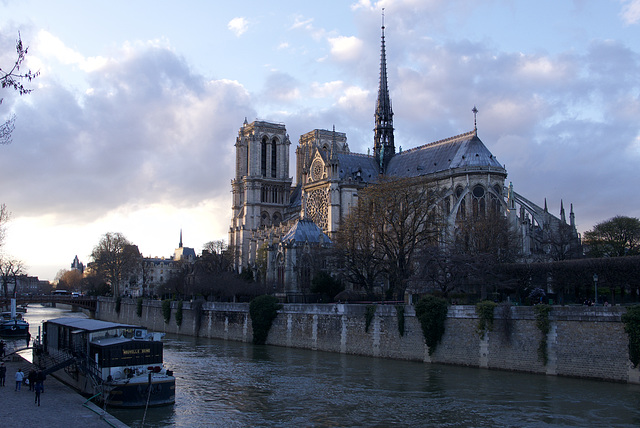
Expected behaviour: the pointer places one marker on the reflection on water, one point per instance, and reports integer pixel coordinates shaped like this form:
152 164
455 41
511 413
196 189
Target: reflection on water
237 384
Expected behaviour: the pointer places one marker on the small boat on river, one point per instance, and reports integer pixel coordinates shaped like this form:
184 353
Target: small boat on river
118 363
12 324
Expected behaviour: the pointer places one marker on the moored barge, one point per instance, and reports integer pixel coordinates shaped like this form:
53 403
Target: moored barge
118 363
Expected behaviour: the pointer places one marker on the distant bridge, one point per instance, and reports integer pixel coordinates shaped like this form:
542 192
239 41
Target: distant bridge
84 302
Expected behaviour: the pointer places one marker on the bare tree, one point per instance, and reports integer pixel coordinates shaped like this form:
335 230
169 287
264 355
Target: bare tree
397 218
10 269
443 268
115 259
356 250
562 243
216 256
13 78
486 241
69 280
487 235
213 275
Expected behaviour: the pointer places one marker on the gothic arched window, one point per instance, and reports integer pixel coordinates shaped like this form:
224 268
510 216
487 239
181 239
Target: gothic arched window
462 211
264 219
274 162
263 157
479 203
277 218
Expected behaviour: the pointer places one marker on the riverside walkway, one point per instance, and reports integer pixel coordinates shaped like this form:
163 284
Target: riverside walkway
60 406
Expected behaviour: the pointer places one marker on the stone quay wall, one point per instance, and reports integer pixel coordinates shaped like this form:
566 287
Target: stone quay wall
586 342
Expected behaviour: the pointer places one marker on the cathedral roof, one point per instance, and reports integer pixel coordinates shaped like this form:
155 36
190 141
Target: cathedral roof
461 151
295 196
305 231
357 167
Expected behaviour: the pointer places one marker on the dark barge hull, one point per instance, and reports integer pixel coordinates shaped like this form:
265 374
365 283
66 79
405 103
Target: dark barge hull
137 395
12 330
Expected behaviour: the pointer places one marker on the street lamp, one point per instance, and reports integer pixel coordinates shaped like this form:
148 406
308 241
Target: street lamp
595 282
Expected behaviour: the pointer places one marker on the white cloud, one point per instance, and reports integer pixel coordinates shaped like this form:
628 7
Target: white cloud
321 90
354 98
300 22
630 11
539 68
345 48
238 26
50 46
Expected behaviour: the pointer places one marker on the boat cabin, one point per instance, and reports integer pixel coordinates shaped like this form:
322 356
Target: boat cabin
107 344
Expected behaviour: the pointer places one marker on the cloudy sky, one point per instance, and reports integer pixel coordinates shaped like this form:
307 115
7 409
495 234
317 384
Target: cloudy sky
132 122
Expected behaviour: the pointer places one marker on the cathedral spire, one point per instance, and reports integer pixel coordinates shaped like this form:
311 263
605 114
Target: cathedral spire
383 144
475 120
572 218
333 144
180 244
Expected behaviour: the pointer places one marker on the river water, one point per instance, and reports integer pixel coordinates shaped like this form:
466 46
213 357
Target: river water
234 384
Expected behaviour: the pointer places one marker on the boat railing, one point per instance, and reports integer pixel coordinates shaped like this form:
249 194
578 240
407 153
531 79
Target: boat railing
53 361
90 367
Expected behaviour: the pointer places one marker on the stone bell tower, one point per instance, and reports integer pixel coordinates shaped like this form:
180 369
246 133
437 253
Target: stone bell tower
261 186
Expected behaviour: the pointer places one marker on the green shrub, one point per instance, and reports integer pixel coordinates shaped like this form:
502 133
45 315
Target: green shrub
544 325
118 304
432 311
139 307
166 310
179 314
485 311
368 316
631 320
263 310
400 314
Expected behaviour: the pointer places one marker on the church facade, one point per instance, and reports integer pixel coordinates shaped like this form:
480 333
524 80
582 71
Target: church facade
279 230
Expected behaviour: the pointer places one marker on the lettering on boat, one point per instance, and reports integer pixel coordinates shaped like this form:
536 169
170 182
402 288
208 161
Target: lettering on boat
136 351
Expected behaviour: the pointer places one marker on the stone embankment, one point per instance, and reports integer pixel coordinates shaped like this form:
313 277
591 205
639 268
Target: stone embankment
587 342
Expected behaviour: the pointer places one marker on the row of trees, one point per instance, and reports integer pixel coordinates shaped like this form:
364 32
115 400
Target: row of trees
396 238
117 266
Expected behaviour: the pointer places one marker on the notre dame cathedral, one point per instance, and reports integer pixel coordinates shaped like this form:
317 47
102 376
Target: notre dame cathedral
278 226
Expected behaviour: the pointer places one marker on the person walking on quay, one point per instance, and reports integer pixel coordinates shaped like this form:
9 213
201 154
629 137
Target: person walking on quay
2 350
38 389
31 377
19 379
3 374
40 378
